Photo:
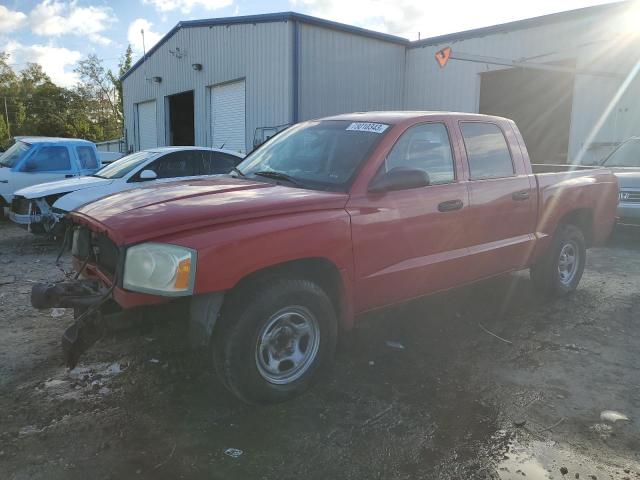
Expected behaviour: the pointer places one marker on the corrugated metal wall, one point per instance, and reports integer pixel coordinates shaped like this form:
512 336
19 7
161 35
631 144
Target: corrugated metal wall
260 53
594 42
344 72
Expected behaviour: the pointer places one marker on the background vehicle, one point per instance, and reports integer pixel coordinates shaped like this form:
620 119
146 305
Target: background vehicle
327 220
625 163
34 160
41 207
109 157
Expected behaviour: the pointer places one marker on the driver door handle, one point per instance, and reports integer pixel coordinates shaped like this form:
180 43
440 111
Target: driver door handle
450 205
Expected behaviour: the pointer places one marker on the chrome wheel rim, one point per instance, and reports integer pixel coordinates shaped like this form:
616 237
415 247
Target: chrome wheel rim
568 263
287 345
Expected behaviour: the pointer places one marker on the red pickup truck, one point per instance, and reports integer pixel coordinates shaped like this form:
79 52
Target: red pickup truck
327 220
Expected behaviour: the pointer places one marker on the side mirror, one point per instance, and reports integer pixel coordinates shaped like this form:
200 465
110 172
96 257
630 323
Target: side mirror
146 175
399 179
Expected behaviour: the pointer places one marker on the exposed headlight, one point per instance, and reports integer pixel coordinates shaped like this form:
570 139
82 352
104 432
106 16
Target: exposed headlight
160 268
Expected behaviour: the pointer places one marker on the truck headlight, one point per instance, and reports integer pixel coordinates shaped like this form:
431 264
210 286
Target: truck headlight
160 268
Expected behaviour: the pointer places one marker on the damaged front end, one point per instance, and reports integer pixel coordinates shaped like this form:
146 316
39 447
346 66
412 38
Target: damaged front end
95 311
86 297
103 304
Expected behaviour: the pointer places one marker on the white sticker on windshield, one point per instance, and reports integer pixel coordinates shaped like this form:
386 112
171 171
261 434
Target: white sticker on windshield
367 127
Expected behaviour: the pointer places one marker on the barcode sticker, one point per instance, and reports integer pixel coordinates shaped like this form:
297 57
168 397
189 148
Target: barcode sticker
367 127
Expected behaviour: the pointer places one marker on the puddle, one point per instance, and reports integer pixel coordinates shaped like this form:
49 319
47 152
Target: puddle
548 460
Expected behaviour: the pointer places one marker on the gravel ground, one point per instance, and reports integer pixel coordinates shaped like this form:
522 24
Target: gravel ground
455 402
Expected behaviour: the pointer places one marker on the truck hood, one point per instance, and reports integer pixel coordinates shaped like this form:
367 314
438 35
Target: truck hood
155 211
628 178
61 186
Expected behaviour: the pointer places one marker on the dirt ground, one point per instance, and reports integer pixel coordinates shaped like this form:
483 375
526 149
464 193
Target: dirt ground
455 402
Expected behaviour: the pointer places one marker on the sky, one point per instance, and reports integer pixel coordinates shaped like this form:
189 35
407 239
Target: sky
59 33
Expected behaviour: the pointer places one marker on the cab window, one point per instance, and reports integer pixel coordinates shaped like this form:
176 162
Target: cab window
175 165
87 157
49 159
487 151
424 147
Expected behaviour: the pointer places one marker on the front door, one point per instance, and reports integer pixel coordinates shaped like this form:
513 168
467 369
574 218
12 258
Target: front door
47 164
411 242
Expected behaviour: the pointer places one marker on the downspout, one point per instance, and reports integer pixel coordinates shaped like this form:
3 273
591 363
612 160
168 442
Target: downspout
295 71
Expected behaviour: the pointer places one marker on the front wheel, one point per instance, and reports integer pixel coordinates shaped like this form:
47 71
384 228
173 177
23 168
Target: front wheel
274 339
560 271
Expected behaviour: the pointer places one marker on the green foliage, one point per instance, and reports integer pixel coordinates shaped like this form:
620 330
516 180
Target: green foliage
36 106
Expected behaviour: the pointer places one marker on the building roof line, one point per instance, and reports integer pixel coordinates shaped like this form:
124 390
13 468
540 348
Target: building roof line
320 22
268 18
523 24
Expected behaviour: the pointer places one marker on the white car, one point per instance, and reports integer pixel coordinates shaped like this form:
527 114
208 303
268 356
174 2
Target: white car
40 208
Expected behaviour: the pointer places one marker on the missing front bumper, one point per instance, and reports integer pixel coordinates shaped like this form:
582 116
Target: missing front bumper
95 313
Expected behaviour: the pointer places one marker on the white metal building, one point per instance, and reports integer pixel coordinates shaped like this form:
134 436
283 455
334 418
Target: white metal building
566 78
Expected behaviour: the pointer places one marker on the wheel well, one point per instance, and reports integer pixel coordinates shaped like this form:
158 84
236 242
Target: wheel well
581 218
319 270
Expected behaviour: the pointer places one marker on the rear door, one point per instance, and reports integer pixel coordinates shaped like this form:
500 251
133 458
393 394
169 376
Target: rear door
502 215
410 242
47 163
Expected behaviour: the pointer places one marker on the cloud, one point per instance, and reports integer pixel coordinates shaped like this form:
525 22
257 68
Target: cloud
53 18
54 60
185 6
11 20
408 17
135 38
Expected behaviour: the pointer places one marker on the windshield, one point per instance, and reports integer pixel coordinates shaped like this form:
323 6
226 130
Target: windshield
321 155
124 165
14 154
626 155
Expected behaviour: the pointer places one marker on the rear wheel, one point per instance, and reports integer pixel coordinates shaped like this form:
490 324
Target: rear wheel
560 271
274 339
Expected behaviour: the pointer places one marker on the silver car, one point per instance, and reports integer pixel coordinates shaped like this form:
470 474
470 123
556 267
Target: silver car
625 163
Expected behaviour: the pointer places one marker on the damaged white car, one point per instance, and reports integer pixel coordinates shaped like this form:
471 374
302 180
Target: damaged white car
40 208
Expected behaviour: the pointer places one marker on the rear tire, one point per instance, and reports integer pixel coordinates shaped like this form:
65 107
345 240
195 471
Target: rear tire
274 339
559 272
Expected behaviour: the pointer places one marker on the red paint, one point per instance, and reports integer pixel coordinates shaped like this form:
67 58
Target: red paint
387 247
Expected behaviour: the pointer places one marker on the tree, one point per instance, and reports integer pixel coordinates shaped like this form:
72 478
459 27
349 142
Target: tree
92 109
126 61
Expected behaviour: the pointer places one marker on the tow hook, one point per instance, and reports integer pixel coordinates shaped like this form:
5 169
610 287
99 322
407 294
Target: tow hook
86 297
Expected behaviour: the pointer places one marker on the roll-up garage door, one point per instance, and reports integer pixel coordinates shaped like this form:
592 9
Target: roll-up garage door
228 116
147 128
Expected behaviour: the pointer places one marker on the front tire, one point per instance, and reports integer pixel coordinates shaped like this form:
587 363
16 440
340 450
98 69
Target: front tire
274 339
559 272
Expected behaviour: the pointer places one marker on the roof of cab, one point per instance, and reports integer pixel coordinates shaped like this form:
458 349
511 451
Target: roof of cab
393 117
52 140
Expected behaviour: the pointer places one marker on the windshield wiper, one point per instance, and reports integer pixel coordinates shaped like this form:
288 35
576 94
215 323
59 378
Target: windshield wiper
278 176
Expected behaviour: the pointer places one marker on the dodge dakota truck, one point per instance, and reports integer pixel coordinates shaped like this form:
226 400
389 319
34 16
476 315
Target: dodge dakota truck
327 220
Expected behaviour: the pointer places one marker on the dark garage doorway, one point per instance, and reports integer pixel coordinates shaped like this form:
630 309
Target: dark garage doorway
181 126
539 101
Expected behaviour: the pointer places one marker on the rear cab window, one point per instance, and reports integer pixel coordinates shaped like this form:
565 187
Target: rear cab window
487 150
87 157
